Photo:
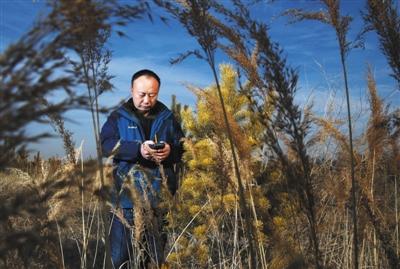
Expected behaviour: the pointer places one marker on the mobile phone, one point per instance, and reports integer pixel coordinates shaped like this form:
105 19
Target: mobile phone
157 146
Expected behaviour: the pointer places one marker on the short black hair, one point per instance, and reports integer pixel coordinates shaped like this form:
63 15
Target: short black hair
145 72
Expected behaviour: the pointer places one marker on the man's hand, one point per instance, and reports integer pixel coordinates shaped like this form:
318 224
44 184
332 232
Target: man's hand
157 155
145 150
160 155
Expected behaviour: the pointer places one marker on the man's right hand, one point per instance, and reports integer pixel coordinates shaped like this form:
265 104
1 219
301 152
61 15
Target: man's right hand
146 151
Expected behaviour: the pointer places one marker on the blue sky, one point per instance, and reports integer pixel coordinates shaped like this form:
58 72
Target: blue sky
311 47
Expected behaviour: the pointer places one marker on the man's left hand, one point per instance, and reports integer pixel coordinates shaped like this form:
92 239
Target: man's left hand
160 155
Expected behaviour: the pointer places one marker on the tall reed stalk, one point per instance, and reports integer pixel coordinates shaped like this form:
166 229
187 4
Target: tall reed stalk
194 16
272 86
248 219
340 24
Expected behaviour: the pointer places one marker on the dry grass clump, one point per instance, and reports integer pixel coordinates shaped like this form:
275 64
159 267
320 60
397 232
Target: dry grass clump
42 219
27 229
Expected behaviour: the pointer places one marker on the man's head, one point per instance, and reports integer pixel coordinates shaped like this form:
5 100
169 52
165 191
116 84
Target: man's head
145 85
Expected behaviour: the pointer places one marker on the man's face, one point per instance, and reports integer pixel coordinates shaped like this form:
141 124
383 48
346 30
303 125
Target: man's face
144 93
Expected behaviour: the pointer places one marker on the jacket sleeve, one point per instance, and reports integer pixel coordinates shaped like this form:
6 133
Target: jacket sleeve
110 138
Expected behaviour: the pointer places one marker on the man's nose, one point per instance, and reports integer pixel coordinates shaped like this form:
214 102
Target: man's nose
146 99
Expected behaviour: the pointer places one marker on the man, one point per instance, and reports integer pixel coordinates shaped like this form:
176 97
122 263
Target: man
141 136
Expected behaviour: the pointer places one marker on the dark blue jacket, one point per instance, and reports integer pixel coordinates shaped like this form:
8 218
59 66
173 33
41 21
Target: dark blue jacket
123 127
